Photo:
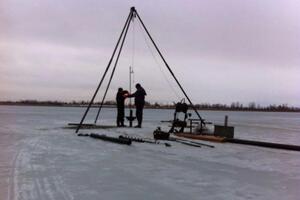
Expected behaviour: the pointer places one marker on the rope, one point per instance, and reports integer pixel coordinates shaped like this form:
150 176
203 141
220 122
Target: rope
171 72
133 42
131 72
158 65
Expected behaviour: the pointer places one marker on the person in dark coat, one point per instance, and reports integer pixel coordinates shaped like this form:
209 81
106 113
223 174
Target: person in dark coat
120 98
139 101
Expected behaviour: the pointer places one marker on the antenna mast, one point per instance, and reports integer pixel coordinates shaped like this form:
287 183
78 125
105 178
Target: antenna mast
130 81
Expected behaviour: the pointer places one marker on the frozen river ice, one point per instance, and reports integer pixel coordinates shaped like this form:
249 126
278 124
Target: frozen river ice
40 160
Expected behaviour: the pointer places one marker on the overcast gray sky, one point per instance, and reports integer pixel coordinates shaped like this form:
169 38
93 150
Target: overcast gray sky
221 50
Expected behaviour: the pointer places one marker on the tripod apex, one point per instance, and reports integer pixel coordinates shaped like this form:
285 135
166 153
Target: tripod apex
133 9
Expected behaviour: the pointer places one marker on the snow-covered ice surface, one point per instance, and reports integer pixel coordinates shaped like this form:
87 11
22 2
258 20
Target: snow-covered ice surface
40 160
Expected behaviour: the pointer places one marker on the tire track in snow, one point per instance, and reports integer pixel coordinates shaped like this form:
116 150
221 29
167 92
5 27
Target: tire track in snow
40 177
12 188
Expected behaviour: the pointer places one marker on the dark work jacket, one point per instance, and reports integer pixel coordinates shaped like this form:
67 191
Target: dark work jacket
120 99
139 97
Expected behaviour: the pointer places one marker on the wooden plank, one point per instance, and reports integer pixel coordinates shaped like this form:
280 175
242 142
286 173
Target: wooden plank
210 138
264 144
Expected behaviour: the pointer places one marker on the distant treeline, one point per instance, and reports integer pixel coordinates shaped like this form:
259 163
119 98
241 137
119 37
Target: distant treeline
252 106
235 106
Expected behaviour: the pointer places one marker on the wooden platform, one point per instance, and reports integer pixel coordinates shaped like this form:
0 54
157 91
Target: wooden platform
210 138
89 126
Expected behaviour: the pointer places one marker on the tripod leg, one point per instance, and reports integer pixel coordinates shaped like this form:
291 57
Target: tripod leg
106 70
185 94
112 73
